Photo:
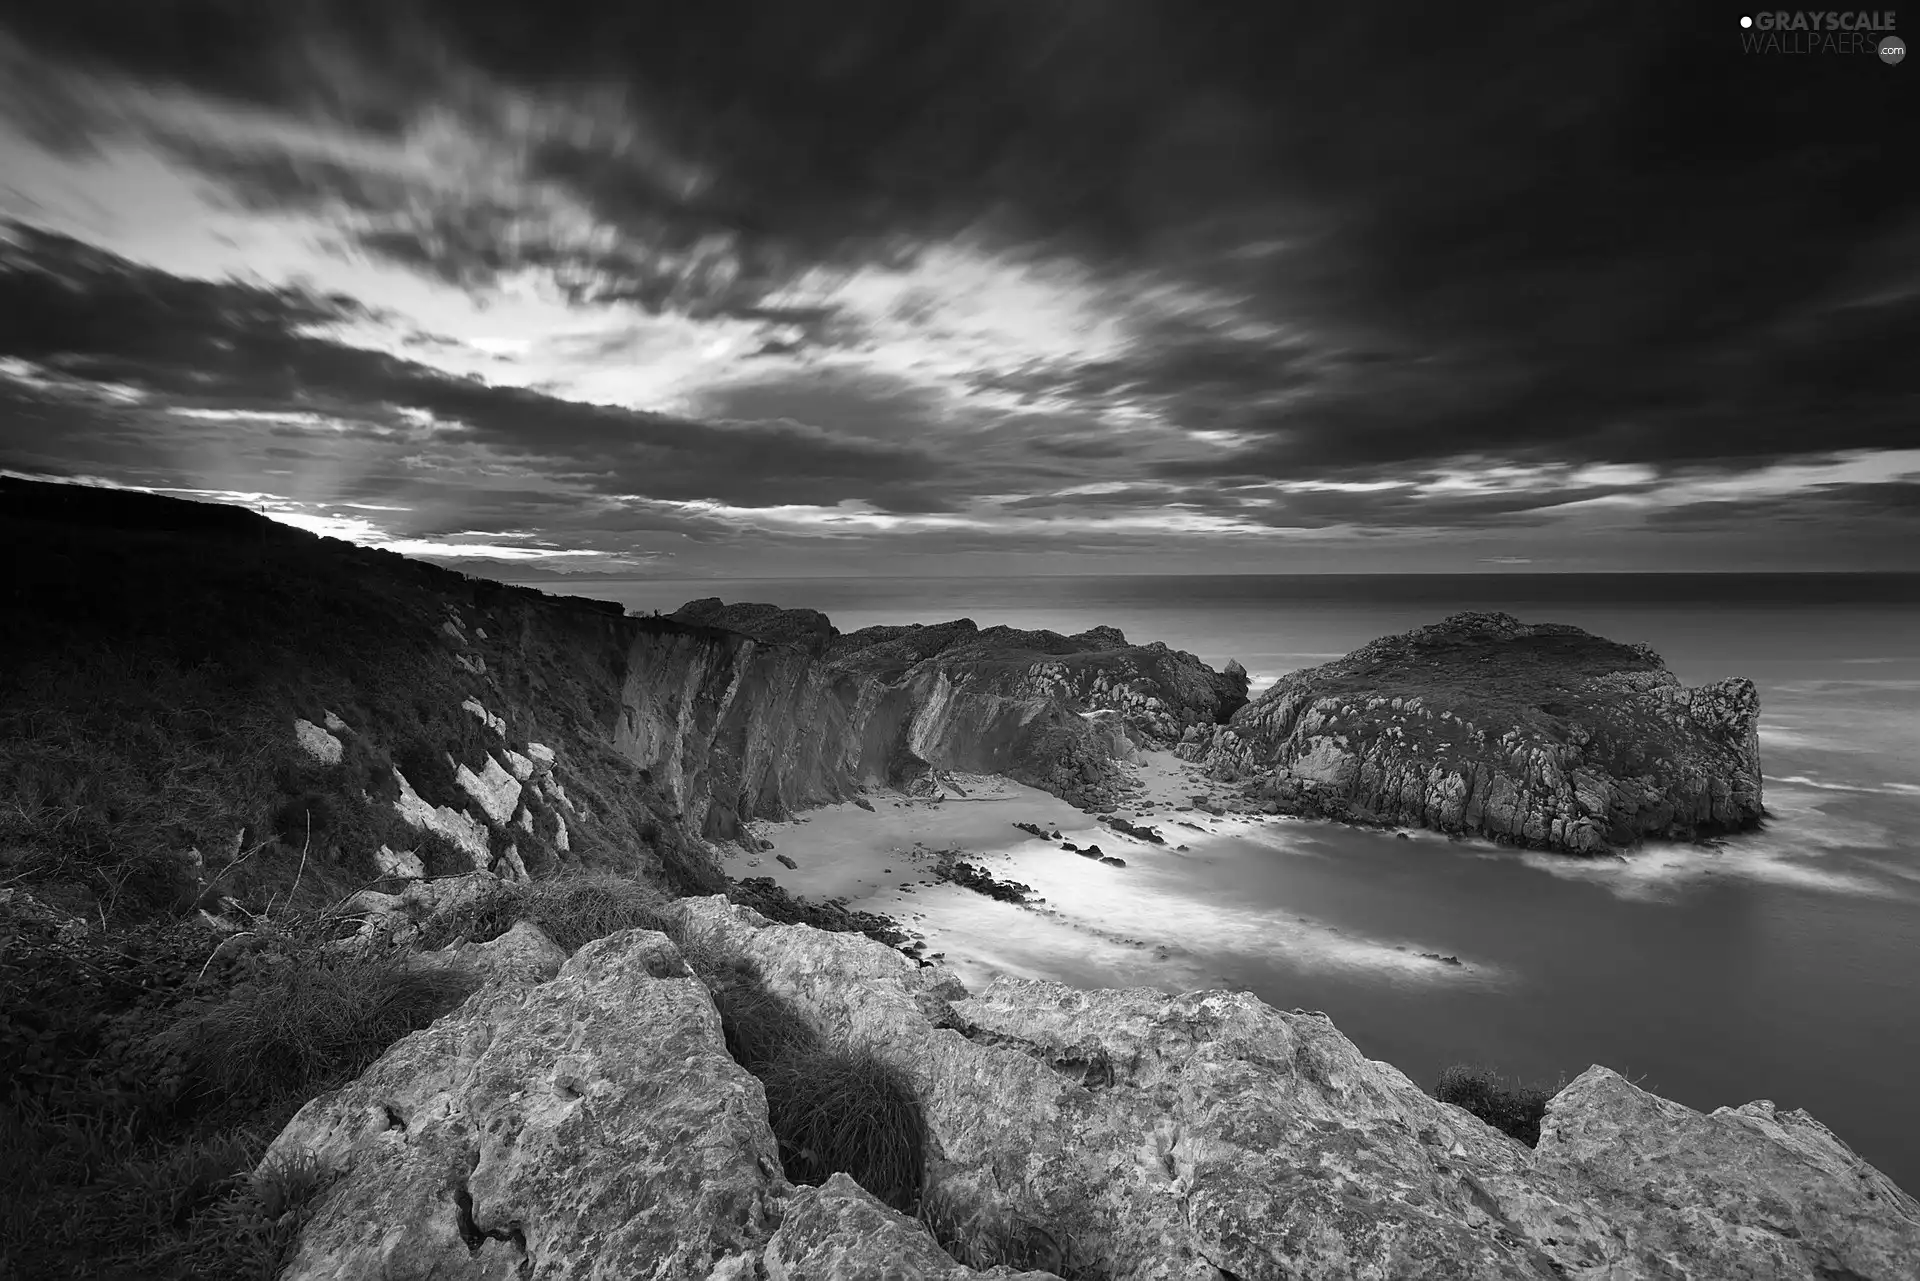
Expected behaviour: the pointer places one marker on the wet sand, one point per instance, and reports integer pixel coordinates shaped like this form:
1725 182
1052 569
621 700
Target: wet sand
1088 922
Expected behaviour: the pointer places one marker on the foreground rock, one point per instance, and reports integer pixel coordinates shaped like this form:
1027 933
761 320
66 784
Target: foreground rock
1538 735
594 1126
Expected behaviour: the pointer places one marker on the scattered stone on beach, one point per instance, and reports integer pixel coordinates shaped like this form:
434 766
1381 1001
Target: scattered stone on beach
1444 960
787 862
1111 861
864 804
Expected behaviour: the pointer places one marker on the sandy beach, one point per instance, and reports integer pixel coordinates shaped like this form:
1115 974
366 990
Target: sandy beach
1088 921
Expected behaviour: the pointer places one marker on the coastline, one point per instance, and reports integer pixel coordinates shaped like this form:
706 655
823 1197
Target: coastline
1085 921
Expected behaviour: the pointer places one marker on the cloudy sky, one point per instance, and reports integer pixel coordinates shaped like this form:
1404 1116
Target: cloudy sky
993 286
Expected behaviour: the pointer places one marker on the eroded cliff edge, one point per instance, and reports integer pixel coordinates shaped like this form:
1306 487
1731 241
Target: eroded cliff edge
1540 735
749 711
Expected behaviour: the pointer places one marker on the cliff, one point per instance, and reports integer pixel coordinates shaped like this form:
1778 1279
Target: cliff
748 711
1533 734
598 1124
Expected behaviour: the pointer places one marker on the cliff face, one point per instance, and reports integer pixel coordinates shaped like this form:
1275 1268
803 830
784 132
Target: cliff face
748 711
595 1125
1541 735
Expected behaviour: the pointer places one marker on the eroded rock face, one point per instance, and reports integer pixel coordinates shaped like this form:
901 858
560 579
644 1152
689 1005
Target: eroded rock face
748 711
1759 1191
591 1126
840 1232
1540 735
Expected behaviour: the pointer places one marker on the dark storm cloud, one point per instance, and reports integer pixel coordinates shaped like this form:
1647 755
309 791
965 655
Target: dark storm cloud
99 319
1854 504
1568 232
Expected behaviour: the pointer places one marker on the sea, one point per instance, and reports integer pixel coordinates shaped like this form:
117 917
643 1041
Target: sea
1783 964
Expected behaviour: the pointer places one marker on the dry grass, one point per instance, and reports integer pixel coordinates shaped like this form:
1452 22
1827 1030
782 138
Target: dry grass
307 1022
1508 1106
572 910
840 1108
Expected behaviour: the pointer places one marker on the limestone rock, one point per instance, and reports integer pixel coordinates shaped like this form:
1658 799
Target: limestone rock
841 1232
334 723
1764 1193
588 1127
399 863
541 754
398 916
746 711
524 955
495 790
475 708
1155 1136
466 833
517 765
1537 735
317 743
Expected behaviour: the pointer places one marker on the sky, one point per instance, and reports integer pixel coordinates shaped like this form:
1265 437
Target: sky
738 289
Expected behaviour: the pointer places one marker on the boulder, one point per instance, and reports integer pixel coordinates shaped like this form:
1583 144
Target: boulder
317 742
586 1127
496 791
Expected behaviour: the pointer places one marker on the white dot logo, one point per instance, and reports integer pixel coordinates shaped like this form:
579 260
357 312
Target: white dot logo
1746 22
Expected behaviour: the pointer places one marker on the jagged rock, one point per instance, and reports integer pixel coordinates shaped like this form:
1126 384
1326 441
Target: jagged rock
1538 735
399 863
561 841
317 743
495 723
467 834
541 754
334 723
1762 1193
517 765
398 917
588 1127
495 790
523 955
511 867
841 1232
1170 1136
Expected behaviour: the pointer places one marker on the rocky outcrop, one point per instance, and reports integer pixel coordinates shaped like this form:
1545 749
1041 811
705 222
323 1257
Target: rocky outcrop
1538 735
595 1126
748 711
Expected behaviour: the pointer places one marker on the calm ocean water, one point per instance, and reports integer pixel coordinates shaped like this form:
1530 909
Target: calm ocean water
1784 966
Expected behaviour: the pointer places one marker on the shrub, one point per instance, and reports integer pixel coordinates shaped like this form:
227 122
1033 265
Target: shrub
844 1109
307 1020
571 910
833 1107
1508 1106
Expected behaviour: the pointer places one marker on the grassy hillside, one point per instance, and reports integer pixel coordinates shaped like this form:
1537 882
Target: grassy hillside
155 654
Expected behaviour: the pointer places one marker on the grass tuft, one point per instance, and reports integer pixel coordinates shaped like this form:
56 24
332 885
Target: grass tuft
1506 1105
842 1109
834 1107
571 910
307 1022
